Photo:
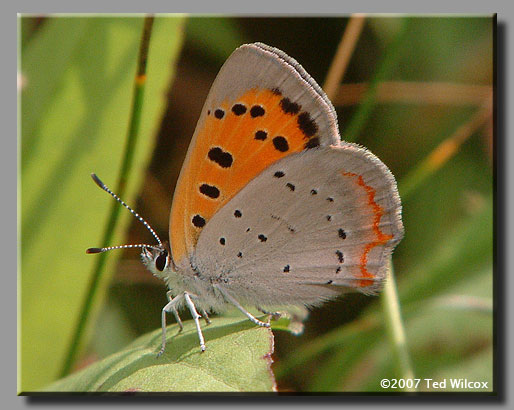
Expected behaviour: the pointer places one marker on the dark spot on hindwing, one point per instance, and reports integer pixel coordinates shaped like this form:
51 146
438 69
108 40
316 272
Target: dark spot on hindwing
210 190
330 199
340 256
219 113
329 282
262 238
314 192
290 186
198 221
220 157
289 227
338 269
222 241
307 125
276 91
237 213
286 269
239 255
280 144
341 233
278 174
289 107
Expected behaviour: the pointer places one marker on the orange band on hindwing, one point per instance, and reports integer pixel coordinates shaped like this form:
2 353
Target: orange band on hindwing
380 237
238 140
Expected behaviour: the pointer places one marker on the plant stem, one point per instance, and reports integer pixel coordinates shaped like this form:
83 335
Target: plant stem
343 55
415 92
133 132
445 150
395 328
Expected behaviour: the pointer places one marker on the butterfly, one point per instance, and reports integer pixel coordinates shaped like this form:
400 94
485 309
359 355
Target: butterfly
271 207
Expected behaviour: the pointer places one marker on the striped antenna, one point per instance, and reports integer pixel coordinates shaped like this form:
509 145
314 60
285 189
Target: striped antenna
110 248
106 189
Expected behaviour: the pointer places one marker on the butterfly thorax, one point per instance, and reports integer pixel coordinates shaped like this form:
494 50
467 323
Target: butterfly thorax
182 277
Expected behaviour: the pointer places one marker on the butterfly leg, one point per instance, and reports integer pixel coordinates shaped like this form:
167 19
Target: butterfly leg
230 299
177 318
169 308
205 316
195 315
202 311
276 315
169 295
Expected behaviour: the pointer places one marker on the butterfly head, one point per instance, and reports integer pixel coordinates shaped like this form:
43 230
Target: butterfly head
157 259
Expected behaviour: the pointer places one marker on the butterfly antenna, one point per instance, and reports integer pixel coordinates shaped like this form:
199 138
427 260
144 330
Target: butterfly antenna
106 189
109 248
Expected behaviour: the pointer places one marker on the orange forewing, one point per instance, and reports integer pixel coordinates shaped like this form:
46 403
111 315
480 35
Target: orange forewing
235 135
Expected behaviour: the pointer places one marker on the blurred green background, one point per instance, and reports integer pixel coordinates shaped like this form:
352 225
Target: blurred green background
75 87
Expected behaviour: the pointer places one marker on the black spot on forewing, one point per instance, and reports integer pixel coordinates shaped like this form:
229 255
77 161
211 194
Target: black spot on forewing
280 144
210 190
289 107
261 135
198 221
238 109
257 111
340 256
312 143
307 125
220 157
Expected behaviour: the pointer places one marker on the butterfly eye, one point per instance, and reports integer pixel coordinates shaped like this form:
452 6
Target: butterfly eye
160 261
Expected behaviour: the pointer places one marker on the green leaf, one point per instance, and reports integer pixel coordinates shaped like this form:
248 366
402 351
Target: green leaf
75 106
237 359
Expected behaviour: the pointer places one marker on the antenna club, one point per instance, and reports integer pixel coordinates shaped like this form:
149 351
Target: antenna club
94 250
97 180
